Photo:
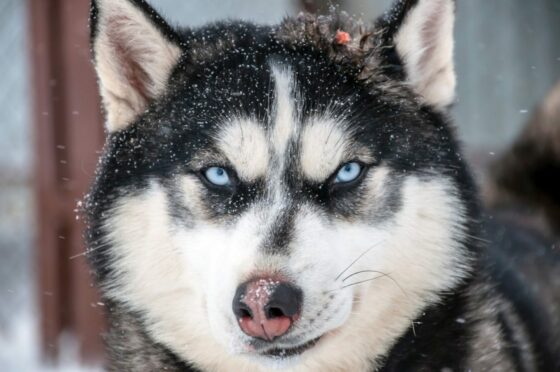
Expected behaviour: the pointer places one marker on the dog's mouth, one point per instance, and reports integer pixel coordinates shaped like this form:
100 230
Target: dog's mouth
287 352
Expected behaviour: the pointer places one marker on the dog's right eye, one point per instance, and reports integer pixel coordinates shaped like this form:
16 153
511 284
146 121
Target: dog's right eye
217 176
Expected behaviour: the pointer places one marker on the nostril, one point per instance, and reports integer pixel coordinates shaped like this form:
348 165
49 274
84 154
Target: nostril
285 300
240 308
274 312
244 311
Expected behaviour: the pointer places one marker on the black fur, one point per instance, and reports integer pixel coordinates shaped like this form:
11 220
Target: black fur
221 61
391 23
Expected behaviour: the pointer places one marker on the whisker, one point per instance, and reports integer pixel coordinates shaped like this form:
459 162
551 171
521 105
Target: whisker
356 283
87 251
356 260
397 284
330 133
77 255
382 275
363 281
362 271
474 237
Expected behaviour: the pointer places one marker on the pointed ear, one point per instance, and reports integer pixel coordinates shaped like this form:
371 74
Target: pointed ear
134 52
421 34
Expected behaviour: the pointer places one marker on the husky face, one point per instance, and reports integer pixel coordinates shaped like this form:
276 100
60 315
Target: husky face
244 152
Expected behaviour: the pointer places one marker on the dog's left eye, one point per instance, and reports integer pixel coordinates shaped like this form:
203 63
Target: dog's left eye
217 176
348 172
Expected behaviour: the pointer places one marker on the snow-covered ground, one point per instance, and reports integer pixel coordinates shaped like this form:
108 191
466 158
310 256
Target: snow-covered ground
19 331
20 352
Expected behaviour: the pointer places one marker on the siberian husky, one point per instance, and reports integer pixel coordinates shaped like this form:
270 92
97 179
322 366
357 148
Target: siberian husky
293 198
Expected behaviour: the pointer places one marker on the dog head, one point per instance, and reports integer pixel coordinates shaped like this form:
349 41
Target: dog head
288 195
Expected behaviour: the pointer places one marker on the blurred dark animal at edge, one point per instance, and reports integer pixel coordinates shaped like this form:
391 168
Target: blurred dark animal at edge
522 195
524 183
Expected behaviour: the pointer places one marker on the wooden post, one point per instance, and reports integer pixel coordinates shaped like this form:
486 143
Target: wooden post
68 136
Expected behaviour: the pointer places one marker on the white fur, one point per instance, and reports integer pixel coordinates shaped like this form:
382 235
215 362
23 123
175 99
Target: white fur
184 279
323 146
126 36
244 143
420 253
425 42
285 121
182 276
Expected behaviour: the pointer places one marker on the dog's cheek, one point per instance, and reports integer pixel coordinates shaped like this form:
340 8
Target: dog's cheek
321 252
225 256
201 249
144 258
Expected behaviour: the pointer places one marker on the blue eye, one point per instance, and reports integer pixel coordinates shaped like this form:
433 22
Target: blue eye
217 176
348 172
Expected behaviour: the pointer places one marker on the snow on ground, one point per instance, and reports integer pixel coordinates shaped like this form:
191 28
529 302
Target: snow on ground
20 352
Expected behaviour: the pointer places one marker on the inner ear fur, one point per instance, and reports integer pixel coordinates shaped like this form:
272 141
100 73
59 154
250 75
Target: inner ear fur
134 53
421 33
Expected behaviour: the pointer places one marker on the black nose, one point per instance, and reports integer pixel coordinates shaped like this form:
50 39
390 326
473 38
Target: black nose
285 300
266 308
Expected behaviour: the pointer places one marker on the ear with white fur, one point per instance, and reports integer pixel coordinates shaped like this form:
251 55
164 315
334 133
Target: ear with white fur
134 52
421 34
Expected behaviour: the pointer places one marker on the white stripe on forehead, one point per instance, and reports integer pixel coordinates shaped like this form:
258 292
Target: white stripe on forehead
324 141
248 146
285 120
284 128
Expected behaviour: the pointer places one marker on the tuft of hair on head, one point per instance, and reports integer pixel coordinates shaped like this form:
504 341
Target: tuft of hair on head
134 53
411 43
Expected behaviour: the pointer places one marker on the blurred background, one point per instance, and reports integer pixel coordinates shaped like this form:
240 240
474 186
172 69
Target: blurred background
507 55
